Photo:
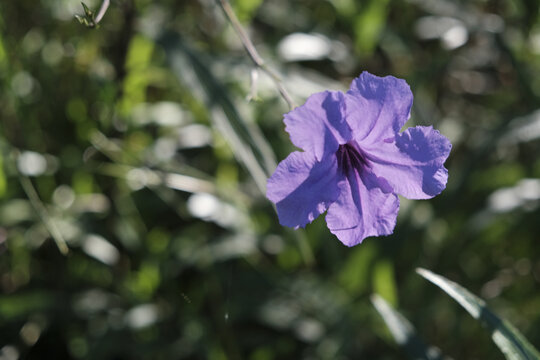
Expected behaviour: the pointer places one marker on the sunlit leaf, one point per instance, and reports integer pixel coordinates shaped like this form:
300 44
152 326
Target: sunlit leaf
369 24
245 9
137 78
403 332
511 342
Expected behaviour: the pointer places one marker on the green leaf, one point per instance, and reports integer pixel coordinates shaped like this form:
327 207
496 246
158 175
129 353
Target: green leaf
89 13
369 25
384 281
246 9
22 304
355 272
88 19
138 75
3 178
511 342
403 332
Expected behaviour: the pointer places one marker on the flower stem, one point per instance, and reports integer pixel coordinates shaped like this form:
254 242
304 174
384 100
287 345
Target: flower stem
253 54
102 10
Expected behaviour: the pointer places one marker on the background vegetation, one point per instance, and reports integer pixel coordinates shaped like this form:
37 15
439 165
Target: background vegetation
139 153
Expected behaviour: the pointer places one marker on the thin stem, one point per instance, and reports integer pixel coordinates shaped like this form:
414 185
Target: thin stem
50 225
252 52
102 10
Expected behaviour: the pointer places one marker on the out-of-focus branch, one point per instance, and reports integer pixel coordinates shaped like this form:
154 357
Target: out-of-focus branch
252 52
90 19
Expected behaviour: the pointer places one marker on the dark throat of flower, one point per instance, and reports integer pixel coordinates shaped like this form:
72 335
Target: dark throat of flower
351 158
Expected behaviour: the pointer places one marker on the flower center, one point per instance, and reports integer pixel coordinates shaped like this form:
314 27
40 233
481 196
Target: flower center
350 158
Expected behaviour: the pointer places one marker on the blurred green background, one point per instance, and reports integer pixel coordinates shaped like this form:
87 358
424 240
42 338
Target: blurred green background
142 154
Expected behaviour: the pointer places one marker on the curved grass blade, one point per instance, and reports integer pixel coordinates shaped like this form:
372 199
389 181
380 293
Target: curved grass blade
404 333
245 139
511 342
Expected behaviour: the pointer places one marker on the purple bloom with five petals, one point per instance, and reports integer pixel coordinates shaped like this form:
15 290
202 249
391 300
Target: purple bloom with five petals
356 160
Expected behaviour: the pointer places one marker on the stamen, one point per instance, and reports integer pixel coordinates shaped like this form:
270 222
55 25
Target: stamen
351 158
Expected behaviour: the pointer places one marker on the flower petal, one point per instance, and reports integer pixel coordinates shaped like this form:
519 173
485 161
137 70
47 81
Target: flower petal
377 107
364 208
318 126
412 162
302 188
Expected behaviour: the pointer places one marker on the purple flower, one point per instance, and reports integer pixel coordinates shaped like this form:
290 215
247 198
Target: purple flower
355 160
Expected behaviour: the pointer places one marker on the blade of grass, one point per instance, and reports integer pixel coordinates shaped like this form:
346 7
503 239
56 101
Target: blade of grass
403 332
191 69
40 209
160 178
509 340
